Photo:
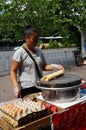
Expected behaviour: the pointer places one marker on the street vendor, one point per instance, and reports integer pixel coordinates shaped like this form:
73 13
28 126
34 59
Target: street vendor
23 72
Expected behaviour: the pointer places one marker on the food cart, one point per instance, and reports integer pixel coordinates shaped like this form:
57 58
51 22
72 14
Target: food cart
69 115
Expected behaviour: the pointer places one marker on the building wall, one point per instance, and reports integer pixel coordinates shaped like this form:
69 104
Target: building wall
62 56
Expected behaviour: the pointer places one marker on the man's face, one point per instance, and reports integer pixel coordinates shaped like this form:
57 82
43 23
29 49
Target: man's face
32 40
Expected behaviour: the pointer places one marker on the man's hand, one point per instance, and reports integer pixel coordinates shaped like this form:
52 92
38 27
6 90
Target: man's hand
17 92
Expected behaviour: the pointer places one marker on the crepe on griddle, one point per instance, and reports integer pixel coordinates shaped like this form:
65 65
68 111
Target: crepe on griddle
52 75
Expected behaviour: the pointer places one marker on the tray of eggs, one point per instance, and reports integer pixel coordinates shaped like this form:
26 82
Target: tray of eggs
21 112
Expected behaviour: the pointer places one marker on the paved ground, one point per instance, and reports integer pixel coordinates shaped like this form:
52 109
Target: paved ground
81 70
6 88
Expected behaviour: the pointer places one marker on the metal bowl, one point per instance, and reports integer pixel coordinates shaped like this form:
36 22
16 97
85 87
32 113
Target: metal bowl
61 95
53 92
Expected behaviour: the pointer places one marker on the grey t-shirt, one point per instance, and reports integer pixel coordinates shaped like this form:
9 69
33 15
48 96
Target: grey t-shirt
27 72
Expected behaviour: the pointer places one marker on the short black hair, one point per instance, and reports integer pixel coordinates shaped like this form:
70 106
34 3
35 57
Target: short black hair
30 30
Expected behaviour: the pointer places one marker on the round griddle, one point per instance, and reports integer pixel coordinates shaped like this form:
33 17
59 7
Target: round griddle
66 80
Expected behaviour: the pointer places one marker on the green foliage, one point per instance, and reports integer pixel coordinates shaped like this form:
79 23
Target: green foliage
40 42
53 44
49 16
65 43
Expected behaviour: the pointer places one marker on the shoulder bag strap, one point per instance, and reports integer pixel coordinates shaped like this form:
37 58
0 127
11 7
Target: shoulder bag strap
37 68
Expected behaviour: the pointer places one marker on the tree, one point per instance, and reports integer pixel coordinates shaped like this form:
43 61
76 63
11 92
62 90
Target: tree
48 16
